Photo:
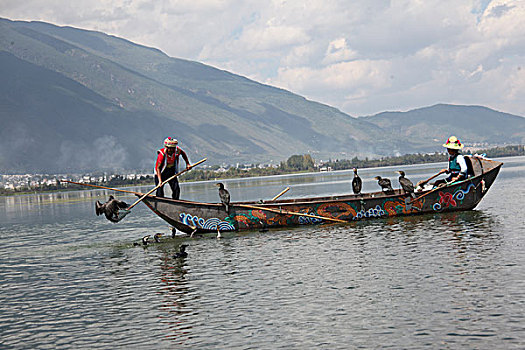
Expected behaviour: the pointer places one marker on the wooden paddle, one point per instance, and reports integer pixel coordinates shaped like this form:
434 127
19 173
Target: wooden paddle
433 190
421 183
437 188
280 194
423 195
285 212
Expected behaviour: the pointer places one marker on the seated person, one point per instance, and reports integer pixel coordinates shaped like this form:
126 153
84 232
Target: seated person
457 165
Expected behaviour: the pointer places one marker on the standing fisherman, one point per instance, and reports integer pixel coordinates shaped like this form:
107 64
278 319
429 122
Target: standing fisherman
167 165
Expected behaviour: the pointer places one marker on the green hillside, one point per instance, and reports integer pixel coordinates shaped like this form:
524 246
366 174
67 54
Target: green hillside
430 126
73 99
216 114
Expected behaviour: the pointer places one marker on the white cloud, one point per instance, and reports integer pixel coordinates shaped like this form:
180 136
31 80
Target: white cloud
338 51
301 55
339 76
272 37
362 56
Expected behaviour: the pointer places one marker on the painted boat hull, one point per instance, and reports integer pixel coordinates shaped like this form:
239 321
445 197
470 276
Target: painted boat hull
194 217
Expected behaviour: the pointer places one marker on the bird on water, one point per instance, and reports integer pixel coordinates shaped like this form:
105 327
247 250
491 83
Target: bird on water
385 184
224 195
144 240
406 184
182 252
357 183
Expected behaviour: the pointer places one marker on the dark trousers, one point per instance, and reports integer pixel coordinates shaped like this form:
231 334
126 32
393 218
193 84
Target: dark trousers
174 183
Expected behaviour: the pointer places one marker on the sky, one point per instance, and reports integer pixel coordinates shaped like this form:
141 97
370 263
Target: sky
360 56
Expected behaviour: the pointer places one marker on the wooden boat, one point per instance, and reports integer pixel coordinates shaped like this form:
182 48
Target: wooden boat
194 217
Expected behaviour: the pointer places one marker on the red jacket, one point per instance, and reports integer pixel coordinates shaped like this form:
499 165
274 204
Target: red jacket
166 161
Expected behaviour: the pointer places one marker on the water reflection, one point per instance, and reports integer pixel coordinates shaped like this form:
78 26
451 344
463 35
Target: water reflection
177 297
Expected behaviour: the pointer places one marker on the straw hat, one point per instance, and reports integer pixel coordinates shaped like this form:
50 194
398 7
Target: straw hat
453 143
170 142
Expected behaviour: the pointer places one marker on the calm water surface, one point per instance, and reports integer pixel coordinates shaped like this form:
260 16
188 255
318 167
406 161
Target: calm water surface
70 279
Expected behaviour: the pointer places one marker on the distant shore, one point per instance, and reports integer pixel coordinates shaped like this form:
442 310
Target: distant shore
294 164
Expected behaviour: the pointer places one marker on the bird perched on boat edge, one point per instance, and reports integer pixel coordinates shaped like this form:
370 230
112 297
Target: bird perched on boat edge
182 252
385 184
110 208
357 183
406 184
224 195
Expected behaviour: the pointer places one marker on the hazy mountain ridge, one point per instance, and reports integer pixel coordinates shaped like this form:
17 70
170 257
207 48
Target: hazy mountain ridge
90 100
472 123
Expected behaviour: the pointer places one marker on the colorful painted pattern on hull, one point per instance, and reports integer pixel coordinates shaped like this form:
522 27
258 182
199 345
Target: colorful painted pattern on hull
213 224
447 200
341 210
349 211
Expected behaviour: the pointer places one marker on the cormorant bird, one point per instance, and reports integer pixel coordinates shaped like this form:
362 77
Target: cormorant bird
157 236
225 196
385 184
144 240
357 183
406 184
110 208
182 252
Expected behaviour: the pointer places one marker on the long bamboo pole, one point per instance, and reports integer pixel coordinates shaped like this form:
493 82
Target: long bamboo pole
102 187
165 182
286 212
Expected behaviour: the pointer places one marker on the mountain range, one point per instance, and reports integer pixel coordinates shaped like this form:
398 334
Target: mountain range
73 99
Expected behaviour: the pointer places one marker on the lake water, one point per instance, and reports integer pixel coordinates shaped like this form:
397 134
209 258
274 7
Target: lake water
70 279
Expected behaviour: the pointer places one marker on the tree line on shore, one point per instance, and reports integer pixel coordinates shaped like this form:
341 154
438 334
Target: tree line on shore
294 164
305 163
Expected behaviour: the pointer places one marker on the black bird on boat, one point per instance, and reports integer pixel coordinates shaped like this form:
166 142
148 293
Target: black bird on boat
224 196
357 183
182 252
110 208
406 184
385 184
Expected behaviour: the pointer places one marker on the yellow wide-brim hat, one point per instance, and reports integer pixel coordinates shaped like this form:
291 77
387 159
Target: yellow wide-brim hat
453 143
